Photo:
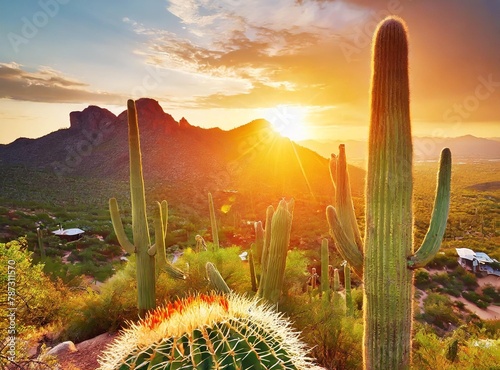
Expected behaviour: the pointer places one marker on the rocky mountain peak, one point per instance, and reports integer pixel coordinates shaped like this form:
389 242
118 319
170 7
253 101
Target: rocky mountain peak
91 118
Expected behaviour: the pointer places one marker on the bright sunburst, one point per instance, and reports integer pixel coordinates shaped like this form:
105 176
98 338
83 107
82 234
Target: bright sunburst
289 121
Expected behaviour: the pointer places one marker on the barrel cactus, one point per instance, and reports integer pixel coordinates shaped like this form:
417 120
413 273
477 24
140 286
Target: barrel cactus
209 332
386 258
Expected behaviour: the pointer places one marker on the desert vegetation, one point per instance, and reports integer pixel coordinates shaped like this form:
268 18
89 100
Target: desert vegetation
272 268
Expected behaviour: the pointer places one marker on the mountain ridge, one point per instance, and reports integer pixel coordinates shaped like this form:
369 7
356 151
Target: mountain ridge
179 159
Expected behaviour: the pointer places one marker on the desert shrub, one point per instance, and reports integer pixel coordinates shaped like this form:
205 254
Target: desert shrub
422 279
475 298
90 313
455 292
357 298
442 278
470 280
235 272
335 340
473 352
295 272
438 311
492 293
34 296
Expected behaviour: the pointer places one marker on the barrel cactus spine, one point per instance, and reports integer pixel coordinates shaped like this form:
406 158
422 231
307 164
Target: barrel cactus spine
386 259
209 331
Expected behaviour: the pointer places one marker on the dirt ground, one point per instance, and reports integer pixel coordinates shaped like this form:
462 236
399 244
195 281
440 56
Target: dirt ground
86 356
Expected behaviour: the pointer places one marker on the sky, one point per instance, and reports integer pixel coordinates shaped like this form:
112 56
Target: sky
302 64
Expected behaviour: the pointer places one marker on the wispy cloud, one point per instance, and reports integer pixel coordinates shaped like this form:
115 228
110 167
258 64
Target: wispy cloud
274 59
48 85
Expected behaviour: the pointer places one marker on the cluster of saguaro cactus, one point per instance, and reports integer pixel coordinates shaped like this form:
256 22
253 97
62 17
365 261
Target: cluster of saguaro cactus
141 245
274 254
213 223
209 332
386 258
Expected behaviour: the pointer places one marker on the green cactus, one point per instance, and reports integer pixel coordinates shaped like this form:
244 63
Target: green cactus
141 246
387 259
161 224
216 279
281 225
325 283
452 350
200 244
265 249
209 332
253 278
336 280
314 279
259 240
349 305
213 223
39 234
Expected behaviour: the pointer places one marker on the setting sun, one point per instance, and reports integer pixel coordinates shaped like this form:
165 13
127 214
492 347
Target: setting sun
289 121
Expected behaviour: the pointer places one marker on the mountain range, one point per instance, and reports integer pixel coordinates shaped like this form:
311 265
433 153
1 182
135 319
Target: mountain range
466 147
179 159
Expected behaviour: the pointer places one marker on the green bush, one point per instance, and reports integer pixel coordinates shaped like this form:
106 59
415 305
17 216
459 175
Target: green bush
33 295
422 279
475 298
492 293
336 340
90 313
473 352
438 311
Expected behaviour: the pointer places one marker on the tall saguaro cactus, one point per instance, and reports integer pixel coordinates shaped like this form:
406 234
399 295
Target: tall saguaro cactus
386 259
141 246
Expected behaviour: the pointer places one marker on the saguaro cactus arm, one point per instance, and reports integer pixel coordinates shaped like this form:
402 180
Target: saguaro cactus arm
437 226
343 199
118 227
347 248
216 278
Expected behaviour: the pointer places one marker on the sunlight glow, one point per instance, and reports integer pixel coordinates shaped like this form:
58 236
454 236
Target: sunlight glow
289 121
